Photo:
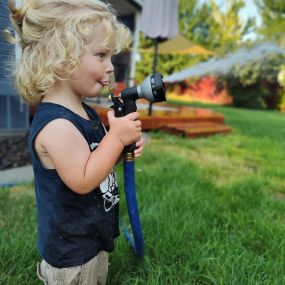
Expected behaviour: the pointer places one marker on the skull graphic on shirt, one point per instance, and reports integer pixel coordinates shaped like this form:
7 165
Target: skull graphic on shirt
107 188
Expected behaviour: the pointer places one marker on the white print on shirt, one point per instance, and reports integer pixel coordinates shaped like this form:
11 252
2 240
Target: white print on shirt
93 145
107 187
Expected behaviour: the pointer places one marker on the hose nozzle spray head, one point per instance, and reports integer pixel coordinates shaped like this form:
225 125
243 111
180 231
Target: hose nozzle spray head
152 89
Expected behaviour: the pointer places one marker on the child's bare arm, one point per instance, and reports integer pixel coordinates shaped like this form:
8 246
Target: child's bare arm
80 169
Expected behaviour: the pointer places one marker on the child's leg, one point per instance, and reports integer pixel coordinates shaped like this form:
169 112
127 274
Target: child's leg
94 272
58 276
102 267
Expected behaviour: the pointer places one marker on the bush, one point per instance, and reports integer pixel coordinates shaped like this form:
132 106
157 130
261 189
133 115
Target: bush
255 85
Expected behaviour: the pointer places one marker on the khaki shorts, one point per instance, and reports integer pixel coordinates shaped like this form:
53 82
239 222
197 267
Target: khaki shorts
94 272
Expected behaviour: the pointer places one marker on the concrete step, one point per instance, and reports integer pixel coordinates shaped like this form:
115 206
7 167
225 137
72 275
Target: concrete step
198 129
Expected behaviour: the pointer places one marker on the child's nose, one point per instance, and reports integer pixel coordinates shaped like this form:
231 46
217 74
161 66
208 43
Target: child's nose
110 67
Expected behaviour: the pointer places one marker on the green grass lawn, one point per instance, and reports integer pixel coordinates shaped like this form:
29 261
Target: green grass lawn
212 210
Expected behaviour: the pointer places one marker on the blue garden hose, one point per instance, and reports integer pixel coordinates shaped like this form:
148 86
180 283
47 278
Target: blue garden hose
153 90
136 241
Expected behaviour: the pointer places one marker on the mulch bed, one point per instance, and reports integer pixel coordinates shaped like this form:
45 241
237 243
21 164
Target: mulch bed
14 151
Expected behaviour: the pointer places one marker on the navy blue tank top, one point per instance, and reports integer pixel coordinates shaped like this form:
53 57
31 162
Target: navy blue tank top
72 228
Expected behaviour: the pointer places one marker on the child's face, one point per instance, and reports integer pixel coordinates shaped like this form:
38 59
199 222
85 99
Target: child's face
95 67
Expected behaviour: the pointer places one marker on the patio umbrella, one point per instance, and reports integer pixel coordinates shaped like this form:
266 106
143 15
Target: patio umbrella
180 45
159 21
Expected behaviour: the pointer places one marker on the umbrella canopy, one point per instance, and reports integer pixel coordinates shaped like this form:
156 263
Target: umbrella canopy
180 45
160 19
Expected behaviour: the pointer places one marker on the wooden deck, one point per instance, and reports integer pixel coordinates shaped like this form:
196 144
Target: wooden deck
184 121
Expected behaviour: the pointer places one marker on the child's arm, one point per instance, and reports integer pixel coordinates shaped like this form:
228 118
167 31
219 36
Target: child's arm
68 152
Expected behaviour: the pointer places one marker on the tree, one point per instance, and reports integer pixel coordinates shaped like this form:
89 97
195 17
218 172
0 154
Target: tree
193 22
218 29
226 28
273 20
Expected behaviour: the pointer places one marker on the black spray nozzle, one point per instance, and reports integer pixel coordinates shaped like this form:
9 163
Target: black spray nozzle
152 89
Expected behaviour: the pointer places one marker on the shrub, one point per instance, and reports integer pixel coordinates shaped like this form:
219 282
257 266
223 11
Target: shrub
255 85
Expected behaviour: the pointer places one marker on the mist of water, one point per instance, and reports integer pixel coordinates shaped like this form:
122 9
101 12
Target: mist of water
224 65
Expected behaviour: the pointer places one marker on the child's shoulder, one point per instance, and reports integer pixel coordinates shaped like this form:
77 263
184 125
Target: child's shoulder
46 112
47 106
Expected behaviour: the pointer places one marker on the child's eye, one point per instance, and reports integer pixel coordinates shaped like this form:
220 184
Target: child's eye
101 54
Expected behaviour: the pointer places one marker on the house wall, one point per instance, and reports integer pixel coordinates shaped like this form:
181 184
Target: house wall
13 113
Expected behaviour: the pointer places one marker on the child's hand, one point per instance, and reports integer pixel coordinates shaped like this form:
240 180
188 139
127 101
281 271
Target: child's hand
127 129
139 144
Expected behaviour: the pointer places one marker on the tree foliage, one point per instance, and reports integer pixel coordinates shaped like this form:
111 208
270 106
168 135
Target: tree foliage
226 28
273 20
210 25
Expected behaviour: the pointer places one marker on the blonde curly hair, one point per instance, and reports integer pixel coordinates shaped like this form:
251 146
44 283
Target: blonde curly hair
52 35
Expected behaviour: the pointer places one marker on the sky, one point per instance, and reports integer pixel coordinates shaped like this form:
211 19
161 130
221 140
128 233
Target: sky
250 10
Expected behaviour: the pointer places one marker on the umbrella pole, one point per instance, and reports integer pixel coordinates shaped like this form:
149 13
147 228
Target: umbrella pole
153 70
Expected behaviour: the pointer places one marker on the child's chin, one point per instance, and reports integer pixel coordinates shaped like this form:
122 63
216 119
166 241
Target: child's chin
93 96
95 93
